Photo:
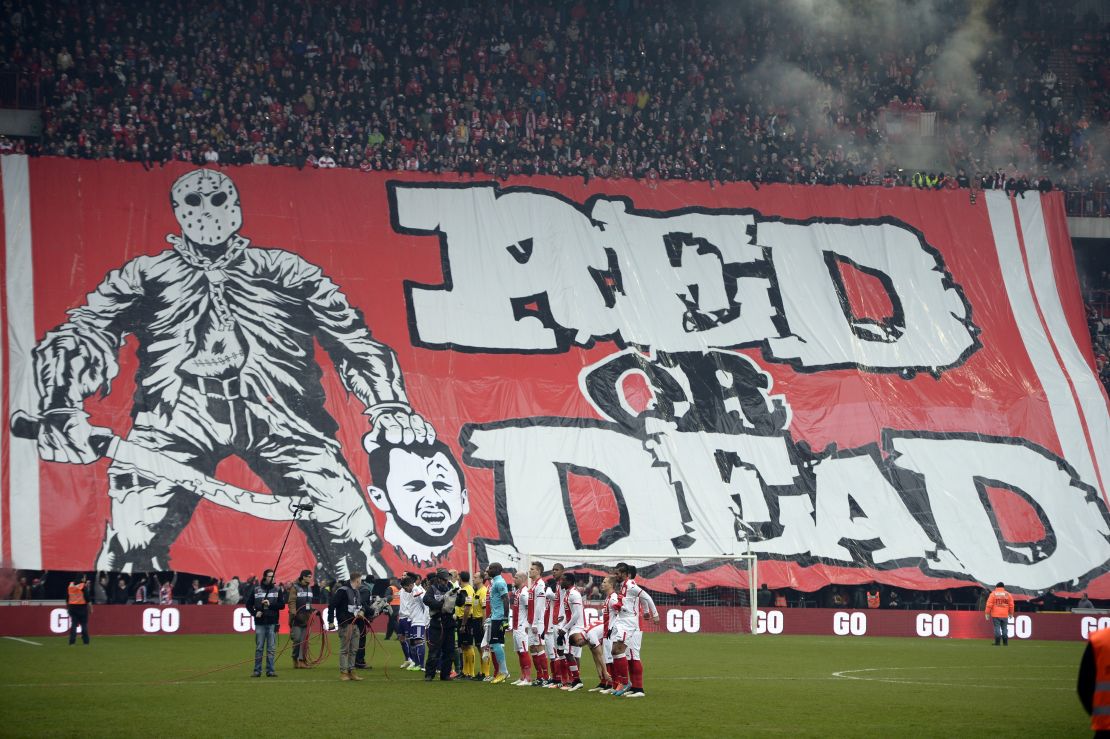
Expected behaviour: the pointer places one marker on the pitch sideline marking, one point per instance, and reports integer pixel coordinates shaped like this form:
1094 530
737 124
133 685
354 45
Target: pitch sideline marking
303 682
25 641
840 675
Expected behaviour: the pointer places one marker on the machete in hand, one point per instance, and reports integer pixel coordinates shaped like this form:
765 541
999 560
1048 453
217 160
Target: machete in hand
157 466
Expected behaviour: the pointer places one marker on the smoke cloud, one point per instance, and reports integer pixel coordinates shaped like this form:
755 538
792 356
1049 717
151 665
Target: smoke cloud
935 45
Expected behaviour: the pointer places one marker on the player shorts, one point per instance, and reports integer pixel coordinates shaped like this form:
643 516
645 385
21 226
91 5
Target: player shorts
632 640
624 625
520 639
535 639
477 629
466 634
549 643
496 631
417 632
403 626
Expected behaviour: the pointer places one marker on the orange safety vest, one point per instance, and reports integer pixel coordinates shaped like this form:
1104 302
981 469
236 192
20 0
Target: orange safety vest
396 599
1000 604
872 599
780 601
1100 704
213 594
75 595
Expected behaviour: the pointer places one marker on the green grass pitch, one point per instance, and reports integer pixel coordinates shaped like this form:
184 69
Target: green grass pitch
697 685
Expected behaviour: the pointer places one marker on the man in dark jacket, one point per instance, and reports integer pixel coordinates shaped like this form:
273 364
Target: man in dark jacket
366 598
299 601
440 599
346 612
264 601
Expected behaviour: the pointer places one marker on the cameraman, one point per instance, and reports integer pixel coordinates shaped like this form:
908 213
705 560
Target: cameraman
440 599
366 597
264 602
346 608
300 613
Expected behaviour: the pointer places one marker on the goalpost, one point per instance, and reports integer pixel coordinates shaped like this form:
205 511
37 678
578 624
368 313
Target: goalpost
723 588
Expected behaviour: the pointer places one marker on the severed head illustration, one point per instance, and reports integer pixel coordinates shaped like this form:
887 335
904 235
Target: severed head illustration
422 490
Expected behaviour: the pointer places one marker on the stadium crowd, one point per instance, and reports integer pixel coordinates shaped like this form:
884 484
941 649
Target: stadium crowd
187 589
1095 287
759 91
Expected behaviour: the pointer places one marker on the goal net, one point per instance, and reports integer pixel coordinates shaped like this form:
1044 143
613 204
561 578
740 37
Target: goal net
693 594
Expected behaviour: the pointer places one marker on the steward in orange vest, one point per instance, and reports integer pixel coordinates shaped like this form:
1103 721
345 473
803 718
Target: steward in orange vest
394 611
1094 681
1000 606
77 603
873 598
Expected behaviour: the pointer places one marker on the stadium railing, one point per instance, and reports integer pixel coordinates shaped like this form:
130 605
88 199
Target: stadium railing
1087 203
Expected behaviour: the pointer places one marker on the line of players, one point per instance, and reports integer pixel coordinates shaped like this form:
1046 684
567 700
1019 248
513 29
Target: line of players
549 625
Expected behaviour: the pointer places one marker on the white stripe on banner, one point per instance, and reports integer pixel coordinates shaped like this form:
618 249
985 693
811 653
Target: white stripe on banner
1085 384
23 468
1042 354
3 437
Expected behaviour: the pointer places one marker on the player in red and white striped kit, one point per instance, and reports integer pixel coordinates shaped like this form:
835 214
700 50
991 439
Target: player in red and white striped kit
617 667
537 622
555 612
520 628
632 600
598 639
573 631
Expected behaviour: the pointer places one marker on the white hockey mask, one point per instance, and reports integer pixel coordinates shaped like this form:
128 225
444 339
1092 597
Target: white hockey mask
206 204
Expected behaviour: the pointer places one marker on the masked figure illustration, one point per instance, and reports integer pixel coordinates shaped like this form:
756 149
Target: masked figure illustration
225 337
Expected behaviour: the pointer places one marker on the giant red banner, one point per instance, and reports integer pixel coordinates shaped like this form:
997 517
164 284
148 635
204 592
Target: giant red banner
858 383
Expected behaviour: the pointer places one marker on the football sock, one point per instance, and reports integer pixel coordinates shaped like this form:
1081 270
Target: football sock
620 670
468 662
636 673
499 658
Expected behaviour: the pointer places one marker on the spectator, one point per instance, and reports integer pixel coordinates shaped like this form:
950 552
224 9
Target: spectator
140 595
22 590
684 92
119 595
198 593
165 590
231 595
100 589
